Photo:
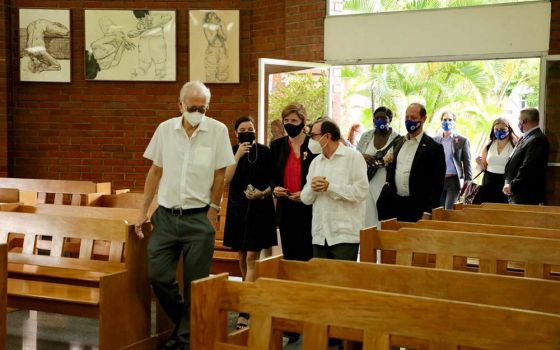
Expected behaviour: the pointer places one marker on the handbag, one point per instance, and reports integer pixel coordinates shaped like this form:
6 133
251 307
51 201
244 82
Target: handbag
378 161
473 192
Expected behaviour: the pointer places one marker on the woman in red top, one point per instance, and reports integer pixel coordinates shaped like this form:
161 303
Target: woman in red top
291 158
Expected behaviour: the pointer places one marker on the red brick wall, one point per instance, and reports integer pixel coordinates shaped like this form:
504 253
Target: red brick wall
552 108
4 61
99 130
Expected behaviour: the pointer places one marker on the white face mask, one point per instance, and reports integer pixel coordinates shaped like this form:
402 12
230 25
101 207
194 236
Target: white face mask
193 118
315 146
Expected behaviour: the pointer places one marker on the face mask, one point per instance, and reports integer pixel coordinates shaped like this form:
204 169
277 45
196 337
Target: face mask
193 118
448 125
247 136
412 126
381 124
315 146
293 130
501 134
520 125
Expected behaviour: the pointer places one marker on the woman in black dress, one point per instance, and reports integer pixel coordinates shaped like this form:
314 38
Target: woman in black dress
250 225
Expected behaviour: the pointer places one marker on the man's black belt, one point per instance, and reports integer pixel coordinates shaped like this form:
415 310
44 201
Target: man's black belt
181 211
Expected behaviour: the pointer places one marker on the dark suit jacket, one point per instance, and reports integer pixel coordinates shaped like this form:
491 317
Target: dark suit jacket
526 169
427 174
280 152
461 156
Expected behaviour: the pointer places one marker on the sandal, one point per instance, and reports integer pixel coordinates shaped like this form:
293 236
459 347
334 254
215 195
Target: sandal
242 321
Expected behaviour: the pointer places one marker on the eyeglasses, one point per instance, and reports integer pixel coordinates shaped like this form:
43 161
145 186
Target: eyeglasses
201 109
311 134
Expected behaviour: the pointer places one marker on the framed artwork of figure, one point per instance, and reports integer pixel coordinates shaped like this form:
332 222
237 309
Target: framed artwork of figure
45 45
214 46
130 45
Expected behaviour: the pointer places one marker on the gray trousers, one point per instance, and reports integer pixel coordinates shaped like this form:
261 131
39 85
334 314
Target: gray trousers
450 193
192 235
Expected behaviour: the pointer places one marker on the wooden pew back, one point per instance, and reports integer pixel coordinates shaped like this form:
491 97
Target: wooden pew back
518 293
512 207
3 293
57 191
499 217
359 315
488 248
393 224
62 228
13 195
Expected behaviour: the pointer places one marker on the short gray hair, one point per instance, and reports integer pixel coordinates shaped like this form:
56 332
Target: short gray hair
532 115
195 89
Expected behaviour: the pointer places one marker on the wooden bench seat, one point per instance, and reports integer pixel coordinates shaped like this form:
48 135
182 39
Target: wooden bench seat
519 293
3 294
81 286
514 207
359 315
499 217
57 191
13 195
538 254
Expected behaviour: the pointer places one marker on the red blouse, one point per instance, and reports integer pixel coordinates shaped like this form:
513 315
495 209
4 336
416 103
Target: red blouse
292 172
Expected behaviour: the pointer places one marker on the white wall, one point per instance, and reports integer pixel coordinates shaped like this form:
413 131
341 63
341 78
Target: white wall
521 29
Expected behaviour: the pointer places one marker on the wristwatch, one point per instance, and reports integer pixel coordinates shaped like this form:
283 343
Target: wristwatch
215 206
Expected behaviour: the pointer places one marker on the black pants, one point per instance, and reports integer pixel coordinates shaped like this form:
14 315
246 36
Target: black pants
408 209
342 251
295 229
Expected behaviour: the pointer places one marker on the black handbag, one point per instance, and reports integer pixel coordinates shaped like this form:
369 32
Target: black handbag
473 192
378 161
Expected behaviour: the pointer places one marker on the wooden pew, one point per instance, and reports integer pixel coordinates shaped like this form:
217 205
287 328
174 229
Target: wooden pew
393 224
3 294
515 207
57 191
499 217
13 195
358 315
518 293
537 253
82 287
224 259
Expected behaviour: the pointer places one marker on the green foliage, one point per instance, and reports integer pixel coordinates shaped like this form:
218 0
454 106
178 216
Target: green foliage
371 6
307 89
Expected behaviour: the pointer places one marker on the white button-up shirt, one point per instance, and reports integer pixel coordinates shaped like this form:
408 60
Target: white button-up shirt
338 213
404 164
189 163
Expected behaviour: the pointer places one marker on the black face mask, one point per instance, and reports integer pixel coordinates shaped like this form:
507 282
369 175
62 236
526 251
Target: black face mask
247 136
293 130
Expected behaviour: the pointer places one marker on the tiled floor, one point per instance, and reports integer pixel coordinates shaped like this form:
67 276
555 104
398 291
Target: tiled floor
32 330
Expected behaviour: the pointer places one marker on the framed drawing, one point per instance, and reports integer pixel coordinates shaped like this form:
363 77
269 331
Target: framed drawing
214 46
44 45
130 45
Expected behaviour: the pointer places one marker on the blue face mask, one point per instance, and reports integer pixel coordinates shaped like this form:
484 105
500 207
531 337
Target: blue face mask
501 134
520 125
447 125
412 126
381 124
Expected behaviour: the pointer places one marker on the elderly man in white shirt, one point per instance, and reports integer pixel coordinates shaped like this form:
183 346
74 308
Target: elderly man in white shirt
337 186
190 154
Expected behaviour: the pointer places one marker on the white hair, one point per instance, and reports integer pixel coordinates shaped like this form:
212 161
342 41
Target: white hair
195 89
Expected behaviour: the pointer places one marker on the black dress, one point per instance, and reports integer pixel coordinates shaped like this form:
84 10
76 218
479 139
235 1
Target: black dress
250 225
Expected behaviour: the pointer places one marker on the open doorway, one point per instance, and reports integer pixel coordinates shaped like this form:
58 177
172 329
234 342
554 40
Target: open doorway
477 92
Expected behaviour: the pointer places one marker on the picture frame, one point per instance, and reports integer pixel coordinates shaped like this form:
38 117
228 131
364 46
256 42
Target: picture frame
214 46
45 45
130 45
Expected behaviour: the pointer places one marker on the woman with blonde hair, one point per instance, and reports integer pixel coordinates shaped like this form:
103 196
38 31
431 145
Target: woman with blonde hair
291 158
